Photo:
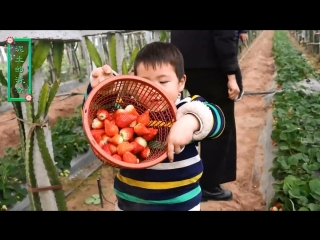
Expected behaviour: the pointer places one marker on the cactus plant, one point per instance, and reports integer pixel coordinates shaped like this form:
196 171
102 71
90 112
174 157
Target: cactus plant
36 137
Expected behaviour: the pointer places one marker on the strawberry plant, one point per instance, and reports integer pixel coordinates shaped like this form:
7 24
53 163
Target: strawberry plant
296 132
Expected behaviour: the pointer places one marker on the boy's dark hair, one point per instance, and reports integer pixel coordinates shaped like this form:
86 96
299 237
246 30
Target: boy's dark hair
158 53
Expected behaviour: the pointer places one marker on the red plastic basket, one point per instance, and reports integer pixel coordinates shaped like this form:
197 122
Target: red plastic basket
120 91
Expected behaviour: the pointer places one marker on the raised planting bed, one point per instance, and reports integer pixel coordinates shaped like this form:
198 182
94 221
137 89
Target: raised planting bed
296 132
71 153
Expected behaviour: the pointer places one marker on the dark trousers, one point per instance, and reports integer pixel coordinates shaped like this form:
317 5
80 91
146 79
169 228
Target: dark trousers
218 155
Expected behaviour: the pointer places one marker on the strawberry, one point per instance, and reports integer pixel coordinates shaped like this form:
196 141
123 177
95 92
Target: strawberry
125 119
144 118
151 135
97 124
116 156
136 147
106 149
133 124
124 147
116 140
97 131
145 153
119 111
102 114
110 128
131 109
141 141
113 148
141 129
127 134
130 158
97 137
274 208
111 116
104 140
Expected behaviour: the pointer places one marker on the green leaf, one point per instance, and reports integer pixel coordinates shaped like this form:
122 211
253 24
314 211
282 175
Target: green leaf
314 185
113 51
57 51
89 200
163 36
303 209
95 196
133 57
53 91
40 54
124 67
314 207
3 80
43 98
96 201
93 52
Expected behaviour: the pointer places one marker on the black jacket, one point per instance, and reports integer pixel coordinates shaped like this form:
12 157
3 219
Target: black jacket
215 49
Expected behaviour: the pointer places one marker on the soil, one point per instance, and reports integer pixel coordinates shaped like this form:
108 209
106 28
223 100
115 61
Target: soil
257 71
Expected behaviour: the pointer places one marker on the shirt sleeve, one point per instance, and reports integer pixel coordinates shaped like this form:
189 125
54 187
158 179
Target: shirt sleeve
225 49
210 116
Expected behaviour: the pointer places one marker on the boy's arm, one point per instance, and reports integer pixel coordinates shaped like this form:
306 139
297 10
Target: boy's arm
210 116
243 31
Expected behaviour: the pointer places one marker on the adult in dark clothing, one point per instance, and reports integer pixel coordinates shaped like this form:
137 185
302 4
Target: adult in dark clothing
210 59
240 35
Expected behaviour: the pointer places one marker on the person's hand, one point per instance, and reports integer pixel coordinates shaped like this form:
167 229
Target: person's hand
181 134
100 74
243 37
233 88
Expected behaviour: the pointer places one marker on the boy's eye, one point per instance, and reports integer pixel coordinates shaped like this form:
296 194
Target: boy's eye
163 82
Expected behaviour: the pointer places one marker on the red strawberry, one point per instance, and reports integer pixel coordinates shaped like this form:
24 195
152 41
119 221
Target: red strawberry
141 129
113 148
111 116
97 137
130 158
136 147
116 140
124 147
97 131
131 109
106 149
141 141
127 134
125 119
116 156
102 114
104 140
133 124
110 128
119 111
145 153
97 124
151 135
144 118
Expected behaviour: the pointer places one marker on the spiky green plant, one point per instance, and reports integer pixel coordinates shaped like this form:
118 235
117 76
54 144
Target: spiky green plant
34 131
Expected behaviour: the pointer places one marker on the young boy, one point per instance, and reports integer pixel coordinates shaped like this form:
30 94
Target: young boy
172 185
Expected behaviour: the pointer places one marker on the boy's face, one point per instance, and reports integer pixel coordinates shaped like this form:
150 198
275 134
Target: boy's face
163 77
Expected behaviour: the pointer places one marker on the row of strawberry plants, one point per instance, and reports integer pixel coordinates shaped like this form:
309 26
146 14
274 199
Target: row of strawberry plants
296 132
68 141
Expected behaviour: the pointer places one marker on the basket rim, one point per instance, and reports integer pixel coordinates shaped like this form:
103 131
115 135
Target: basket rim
87 127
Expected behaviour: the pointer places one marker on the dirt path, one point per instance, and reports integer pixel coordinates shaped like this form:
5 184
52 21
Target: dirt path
61 106
257 70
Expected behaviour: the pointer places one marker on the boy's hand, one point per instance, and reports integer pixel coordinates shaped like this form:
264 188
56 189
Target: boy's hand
181 134
100 74
243 37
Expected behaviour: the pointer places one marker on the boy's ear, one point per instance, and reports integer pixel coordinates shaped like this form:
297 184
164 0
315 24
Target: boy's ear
182 82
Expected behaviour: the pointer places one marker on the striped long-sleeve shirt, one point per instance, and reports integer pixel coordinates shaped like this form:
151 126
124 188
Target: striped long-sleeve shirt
171 186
